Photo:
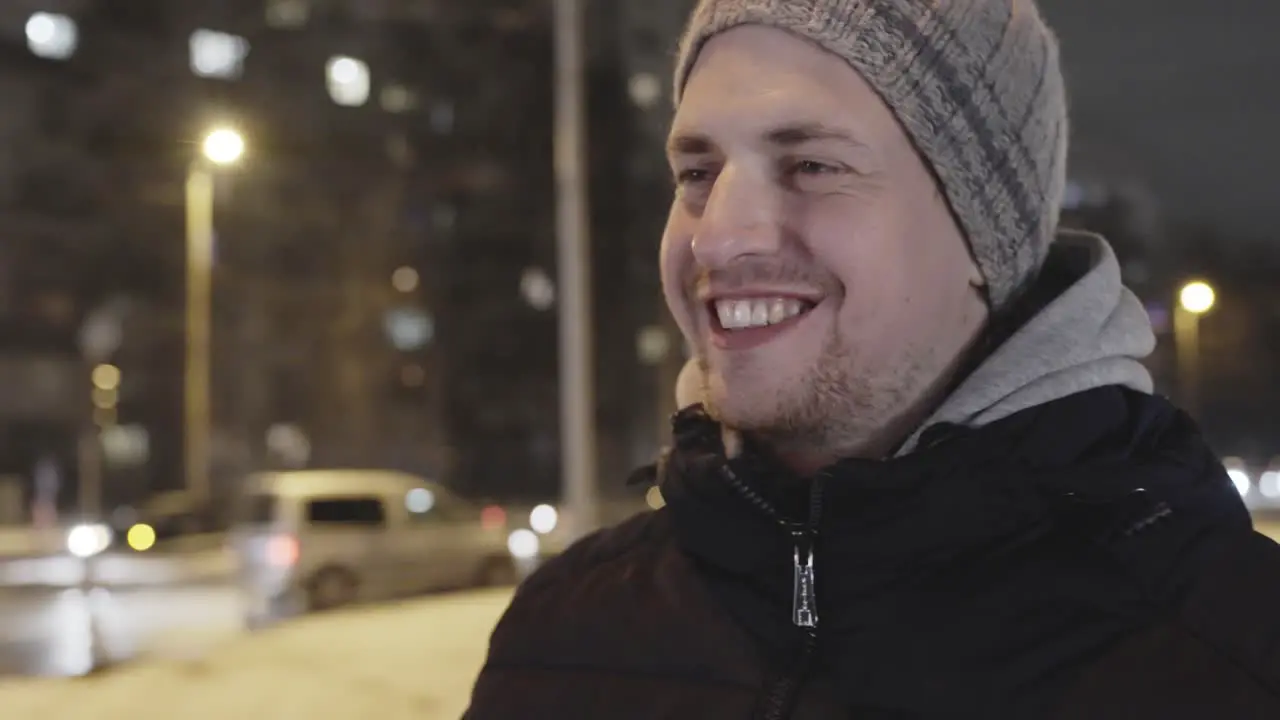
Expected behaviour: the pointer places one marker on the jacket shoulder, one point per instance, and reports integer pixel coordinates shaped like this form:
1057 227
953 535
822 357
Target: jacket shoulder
619 625
618 543
1216 655
1233 606
568 611
623 596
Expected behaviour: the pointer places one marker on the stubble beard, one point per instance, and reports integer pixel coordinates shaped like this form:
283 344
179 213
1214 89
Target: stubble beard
828 413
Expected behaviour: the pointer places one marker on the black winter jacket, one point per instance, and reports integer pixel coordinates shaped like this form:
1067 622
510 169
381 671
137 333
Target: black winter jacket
1086 559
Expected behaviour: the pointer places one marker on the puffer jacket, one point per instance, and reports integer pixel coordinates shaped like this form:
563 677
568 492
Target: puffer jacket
1085 559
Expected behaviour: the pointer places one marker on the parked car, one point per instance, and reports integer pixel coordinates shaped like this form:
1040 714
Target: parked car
318 539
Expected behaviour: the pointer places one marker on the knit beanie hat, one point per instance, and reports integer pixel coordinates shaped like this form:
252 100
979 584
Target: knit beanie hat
977 86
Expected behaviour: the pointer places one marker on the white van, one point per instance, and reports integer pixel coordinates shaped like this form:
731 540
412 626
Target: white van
318 539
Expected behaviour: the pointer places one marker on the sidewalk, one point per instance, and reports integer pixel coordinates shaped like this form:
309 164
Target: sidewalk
416 660
118 569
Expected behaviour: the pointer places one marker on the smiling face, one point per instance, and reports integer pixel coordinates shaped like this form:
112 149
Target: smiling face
809 258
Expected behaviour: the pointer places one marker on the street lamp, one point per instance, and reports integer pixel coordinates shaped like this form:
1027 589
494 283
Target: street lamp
573 258
221 147
1197 297
1194 300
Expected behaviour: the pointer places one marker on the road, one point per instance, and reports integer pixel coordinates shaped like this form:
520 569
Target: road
70 631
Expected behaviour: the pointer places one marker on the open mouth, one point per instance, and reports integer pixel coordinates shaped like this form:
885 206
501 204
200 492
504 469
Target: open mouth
750 313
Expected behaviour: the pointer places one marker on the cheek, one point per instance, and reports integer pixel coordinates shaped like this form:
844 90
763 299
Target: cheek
884 271
924 275
675 261
858 246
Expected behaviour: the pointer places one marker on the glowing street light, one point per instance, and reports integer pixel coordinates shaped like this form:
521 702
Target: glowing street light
106 377
223 146
1194 300
1197 297
347 79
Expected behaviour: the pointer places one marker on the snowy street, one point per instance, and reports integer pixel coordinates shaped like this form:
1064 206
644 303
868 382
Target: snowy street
412 660
47 631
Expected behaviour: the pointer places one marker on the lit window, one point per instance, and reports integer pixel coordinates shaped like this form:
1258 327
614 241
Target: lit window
405 279
408 329
399 150
52 36
645 89
537 288
397 99
287 13
126 445
289 444
652 345
217 54
348 81
442 117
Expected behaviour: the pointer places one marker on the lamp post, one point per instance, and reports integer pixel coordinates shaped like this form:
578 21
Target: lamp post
1194 300
221 147
577 376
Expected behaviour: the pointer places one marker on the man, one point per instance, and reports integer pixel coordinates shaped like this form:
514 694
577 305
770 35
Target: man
927 477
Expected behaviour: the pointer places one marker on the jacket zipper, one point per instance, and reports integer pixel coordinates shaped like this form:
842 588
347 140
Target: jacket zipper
780 697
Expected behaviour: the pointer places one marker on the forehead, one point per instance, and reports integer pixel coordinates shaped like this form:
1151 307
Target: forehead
753 77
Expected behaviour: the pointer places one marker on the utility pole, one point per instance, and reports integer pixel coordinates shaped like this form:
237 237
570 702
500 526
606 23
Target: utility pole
577 376
196 374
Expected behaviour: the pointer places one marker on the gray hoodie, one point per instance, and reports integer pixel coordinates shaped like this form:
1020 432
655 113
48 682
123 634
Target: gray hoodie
1095 333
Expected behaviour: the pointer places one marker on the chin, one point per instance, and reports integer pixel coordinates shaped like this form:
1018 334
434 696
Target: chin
743 406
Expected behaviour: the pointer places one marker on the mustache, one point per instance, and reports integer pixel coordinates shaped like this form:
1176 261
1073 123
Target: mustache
749 273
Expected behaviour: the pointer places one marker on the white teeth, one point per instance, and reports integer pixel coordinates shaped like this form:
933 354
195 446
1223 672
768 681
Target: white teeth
742 313
777 310
724 313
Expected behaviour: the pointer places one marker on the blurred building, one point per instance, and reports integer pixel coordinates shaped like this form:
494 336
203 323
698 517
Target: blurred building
105 106
385 282
384 289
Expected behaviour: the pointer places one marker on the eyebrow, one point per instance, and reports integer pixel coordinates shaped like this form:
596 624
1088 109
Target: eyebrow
800 133
786 136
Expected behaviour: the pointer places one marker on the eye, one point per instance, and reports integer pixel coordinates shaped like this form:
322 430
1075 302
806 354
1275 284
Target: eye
692 175
813 175
813 167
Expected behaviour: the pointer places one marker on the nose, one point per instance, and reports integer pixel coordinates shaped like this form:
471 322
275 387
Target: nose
739 219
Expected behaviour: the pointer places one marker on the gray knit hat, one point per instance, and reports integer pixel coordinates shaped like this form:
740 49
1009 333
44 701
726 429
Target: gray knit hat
977 86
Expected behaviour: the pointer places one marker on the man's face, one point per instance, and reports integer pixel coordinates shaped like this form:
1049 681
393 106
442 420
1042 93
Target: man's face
809 258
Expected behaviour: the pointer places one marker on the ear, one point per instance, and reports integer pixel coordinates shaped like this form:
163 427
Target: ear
976 280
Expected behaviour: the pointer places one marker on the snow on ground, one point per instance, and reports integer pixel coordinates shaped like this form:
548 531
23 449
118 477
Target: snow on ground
413 660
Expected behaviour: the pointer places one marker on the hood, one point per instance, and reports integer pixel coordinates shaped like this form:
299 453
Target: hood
1086 330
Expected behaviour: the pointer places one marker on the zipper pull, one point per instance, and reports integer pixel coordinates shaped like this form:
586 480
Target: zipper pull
804 606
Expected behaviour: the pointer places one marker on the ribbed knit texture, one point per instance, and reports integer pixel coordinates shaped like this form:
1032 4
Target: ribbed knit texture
978 88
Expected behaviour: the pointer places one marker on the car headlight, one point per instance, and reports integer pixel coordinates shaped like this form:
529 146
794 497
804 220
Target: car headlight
523 544
87 540
543 519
